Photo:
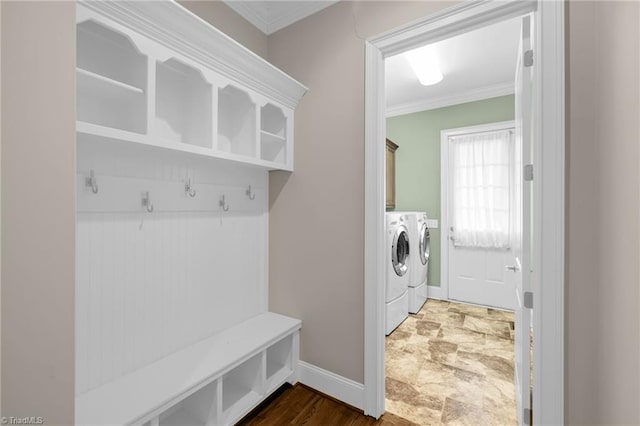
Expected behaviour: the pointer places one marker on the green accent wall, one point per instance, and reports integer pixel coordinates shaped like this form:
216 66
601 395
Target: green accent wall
418 157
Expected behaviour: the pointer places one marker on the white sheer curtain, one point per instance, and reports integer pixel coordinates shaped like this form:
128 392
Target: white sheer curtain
482 189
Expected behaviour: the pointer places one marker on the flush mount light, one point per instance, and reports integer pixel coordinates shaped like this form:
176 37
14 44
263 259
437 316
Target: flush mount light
424 63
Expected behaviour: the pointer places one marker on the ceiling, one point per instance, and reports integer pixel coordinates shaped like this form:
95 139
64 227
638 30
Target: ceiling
271 16
476 65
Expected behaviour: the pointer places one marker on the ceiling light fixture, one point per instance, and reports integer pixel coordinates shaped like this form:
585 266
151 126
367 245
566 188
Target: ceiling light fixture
425 65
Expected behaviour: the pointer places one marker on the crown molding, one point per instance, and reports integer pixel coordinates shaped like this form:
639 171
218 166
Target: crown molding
488 92
168 23
261 16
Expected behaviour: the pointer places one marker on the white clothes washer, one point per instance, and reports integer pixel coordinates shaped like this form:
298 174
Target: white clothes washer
397 270
419 237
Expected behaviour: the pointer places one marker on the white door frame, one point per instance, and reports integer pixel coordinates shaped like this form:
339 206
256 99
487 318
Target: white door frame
548 238
445 134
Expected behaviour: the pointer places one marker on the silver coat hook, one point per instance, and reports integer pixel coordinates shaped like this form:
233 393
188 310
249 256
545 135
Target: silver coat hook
189 189
146 202
250 194
224 204
92 182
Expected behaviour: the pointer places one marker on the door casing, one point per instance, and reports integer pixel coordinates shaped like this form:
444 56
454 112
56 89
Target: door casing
548 188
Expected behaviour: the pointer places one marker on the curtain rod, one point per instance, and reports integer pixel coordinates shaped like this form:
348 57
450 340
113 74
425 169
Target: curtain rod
510 129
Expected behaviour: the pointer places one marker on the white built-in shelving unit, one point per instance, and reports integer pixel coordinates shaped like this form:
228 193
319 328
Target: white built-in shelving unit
177 129
205 98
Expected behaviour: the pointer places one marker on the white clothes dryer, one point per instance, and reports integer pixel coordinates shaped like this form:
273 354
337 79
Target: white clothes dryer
419 238
397 270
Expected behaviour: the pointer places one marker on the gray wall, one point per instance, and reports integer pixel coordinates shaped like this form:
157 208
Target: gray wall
229 22
603 374
38 209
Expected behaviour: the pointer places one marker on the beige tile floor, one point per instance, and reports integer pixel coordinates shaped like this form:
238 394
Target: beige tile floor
452 364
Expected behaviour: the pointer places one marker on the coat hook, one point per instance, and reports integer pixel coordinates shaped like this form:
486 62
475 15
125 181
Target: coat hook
92 182
189 189
224 204
146 202
250 194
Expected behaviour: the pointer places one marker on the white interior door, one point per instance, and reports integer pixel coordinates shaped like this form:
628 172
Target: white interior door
522 220
477 274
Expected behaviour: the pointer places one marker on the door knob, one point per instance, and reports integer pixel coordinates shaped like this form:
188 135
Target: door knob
513 268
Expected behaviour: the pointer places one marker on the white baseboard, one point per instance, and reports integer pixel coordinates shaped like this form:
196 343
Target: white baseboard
338 387
434 292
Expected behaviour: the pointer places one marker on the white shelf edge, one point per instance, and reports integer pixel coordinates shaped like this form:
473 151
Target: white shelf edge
109 81
111 132
143 139
272 137
280 376
241 407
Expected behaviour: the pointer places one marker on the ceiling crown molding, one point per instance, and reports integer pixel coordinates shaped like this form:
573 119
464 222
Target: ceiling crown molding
168 23
488 92
269 18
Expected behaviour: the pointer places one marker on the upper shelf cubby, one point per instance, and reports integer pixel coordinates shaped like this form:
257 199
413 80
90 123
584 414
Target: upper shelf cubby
153 73
236 122
273 120
111 79
273 134
183 104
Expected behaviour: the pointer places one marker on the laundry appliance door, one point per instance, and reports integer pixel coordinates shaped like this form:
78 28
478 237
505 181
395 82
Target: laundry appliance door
400 251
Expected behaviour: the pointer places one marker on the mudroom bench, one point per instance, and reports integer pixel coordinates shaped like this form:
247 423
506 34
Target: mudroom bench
213 382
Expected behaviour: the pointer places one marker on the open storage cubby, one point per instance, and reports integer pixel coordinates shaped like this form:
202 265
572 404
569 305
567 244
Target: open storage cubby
241 387
199 409
236 122
273 134
183 104
279 362
111 79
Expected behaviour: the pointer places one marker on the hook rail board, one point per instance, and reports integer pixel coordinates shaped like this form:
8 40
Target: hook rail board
124 195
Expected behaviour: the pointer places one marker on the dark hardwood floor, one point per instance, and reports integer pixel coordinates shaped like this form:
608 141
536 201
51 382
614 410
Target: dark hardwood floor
300 405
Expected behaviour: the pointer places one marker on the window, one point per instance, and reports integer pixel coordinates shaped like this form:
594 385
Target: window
482 189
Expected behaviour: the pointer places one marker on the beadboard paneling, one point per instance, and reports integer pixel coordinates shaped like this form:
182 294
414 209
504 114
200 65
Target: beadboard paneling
149 284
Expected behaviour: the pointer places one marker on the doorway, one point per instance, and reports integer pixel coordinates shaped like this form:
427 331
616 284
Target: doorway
448 361
548 189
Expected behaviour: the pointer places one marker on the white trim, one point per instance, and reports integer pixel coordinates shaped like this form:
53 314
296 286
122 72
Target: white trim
260 15
548 237
168 23
472 95
334 385
435 292
374 241
549 392
445 134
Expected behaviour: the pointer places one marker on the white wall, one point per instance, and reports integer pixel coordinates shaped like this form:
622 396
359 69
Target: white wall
38 209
